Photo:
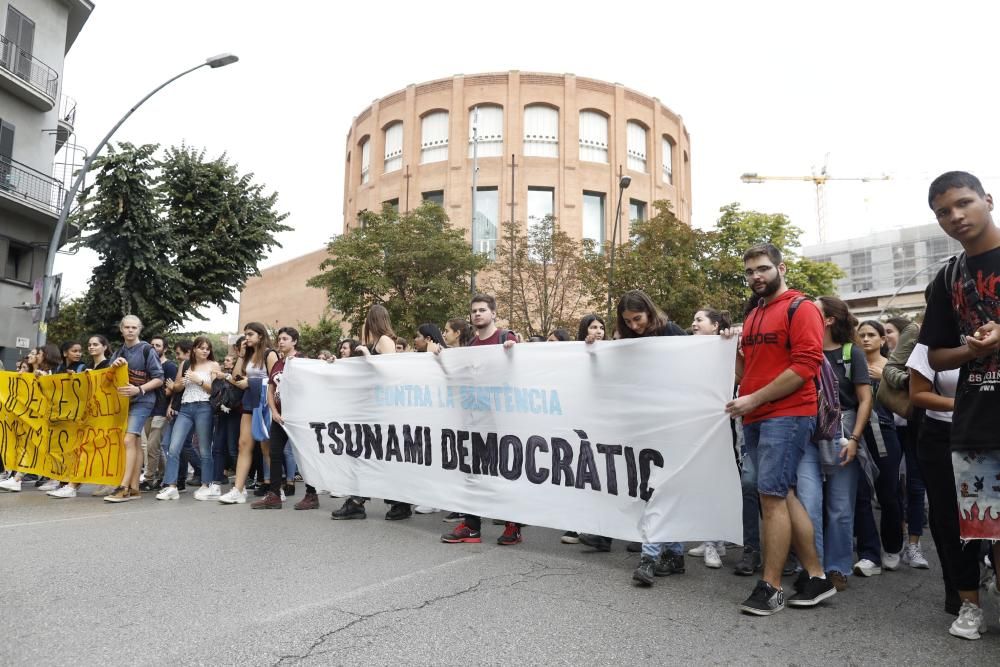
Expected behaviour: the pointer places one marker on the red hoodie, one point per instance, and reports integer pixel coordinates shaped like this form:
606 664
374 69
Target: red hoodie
770 346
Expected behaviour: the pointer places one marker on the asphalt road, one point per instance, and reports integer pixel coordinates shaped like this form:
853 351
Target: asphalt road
187 582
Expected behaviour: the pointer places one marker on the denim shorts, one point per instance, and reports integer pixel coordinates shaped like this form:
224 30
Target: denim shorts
137 416
776 446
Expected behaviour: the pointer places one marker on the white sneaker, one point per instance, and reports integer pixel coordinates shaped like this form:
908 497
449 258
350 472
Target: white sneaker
424 509
50 485
336 494
13 485
698 551
211 492
67 491
914 556
866 568
234 497
891 561
712 558
168 493
970 623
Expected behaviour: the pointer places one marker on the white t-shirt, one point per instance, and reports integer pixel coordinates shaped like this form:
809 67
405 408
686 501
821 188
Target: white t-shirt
945 384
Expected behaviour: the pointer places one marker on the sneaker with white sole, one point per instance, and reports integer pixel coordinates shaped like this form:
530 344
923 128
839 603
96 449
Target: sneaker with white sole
698 551
891 561
712 558
914 556
12 485
234 497
866 568
168 493
424 509
68 491
970 623
210 492
50 485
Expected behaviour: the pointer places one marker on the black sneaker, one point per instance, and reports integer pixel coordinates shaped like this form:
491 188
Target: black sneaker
454 517
670 564
814 590
764 601
261 490
570 537
30 477
181 487
800 582
749 564
39 481
398 512
596 541
511 535
289 490
146 486
349 510
634 547
643 575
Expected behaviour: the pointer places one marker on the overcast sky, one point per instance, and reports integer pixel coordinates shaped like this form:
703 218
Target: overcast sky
763 87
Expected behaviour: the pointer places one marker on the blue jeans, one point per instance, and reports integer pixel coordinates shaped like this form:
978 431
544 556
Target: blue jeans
199 417
776 447
654 549
840 492
751 505
810 493
887 491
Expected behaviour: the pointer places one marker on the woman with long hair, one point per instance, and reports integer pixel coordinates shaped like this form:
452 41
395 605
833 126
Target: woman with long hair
840 487
428 338
71 353
558 336
195 376
254 363
457 332
377 337
639 317
99 350
711 322
883 445
346 347
591 328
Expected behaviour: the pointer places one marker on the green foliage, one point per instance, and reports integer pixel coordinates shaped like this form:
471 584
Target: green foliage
220 348
324 335
69 325
536 278
414 264
173 235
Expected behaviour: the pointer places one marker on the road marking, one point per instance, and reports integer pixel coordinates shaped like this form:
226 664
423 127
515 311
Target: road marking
74 518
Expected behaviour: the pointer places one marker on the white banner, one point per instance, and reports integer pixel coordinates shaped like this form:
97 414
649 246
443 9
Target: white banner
627 439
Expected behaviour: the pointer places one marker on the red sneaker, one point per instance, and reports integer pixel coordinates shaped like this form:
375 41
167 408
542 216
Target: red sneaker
511 535
462 533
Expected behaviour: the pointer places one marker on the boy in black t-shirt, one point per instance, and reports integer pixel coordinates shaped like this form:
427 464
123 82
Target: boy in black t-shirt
961 331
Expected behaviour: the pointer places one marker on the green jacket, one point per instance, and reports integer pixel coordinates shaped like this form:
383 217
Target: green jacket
895 372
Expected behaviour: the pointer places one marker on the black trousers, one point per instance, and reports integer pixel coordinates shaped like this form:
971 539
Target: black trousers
279 438
959 562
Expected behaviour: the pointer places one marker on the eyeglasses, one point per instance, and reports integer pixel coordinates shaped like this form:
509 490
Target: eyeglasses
760 270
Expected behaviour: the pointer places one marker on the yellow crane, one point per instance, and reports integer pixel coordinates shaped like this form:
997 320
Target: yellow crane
820 181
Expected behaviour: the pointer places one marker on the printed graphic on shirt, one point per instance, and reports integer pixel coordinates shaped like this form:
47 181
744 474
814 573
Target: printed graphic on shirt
984 372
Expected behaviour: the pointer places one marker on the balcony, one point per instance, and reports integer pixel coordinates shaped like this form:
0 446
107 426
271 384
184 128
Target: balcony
27 77
66 121
29 193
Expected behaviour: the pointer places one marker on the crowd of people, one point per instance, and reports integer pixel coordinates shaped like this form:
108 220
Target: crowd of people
907 399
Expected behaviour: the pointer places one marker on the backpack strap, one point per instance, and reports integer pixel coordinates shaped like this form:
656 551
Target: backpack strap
504 335
792 307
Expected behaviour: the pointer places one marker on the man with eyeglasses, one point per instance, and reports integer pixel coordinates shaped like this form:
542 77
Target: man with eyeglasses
780 353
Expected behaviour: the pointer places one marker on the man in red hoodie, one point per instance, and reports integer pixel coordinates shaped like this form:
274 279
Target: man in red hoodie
776 367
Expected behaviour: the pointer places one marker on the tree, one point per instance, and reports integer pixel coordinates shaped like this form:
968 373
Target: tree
536 278
172 235
416 265
69 324
324 335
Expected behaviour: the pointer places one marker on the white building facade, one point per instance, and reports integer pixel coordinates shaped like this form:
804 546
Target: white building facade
887 270
36 121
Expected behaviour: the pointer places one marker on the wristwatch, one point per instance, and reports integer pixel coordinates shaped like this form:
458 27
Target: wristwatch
229 376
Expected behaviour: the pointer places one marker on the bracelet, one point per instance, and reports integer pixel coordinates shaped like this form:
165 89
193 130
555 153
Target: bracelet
142 392
853 437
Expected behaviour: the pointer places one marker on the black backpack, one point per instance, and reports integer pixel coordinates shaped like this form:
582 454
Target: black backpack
225 397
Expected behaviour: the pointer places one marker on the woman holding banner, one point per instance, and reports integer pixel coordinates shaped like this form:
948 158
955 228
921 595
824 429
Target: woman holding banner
255 360
46 360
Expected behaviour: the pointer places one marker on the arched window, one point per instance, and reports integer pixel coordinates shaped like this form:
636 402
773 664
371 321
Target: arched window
366 157
489 130
541 131
393 147
434 137
668 160
636 135
593 137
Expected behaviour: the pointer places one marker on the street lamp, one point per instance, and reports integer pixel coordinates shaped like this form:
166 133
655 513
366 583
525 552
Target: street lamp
214 62
907 282
623 183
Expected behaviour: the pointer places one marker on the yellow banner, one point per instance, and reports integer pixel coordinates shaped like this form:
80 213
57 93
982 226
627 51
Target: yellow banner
69 427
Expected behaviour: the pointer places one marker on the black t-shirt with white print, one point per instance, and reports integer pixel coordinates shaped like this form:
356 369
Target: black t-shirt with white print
949 318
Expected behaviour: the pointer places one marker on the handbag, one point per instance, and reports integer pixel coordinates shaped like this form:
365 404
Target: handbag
895 400
261 422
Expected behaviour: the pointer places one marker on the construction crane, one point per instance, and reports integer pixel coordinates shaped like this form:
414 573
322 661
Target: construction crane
820 181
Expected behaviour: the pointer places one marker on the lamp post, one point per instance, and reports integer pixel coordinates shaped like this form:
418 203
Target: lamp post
623 183
907 282
214 62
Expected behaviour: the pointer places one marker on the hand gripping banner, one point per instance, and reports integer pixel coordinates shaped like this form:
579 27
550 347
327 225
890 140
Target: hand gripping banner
627 439
69 427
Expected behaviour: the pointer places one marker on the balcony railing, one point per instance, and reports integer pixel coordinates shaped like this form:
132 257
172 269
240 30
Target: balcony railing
26 67
20 181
